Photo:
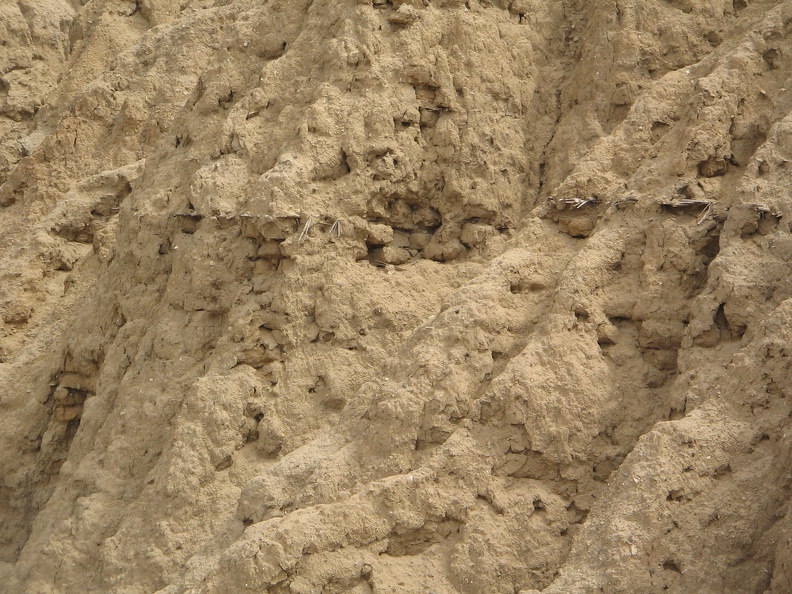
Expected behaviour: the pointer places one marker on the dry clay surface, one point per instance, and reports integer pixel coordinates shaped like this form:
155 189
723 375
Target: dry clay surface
395 296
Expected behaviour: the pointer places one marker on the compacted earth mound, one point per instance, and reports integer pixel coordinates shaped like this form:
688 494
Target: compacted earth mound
395 296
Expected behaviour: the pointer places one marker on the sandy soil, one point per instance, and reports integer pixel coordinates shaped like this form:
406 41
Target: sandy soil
395 296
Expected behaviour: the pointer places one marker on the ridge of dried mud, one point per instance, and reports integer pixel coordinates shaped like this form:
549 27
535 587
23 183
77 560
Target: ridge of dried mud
395 296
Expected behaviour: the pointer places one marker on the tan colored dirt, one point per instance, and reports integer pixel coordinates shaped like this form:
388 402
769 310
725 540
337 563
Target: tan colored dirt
395 296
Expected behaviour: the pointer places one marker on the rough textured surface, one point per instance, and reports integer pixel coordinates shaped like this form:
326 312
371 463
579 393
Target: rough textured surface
383 296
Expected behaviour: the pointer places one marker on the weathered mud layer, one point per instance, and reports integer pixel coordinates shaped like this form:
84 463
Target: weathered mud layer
395 296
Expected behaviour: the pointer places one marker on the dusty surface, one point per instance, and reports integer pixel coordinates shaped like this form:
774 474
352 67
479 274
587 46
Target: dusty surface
439 296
